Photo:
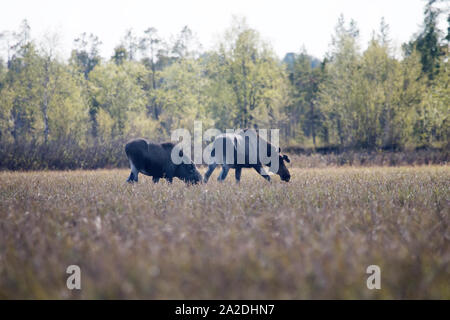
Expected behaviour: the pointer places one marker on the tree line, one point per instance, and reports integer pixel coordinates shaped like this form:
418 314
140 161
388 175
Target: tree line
78 112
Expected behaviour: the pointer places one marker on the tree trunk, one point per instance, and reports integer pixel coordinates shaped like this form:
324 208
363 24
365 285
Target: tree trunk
45 103
45 114
313 130
339 128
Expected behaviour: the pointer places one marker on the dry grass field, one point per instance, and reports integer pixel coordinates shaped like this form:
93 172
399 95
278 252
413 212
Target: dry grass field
311 238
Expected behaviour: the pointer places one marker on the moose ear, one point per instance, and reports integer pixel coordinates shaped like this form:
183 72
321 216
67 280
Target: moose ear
286 158
181 153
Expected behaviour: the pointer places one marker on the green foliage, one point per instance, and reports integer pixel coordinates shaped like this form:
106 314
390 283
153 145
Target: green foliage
66 111
374 100
182 95
120 55
427 42
436 104
119 94
20 95
341 92
364 99
306 117
86 56
253 78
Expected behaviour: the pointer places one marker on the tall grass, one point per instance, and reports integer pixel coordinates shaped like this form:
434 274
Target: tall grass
311 238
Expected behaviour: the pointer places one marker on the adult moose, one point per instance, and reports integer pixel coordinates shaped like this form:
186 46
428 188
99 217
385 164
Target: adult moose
153 159
242 150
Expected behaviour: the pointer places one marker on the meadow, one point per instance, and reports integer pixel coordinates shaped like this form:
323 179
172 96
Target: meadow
311 238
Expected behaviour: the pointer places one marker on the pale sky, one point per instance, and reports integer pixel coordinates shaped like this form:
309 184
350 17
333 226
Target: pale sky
286 24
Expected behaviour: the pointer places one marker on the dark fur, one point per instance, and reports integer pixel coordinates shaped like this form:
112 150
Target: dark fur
154 159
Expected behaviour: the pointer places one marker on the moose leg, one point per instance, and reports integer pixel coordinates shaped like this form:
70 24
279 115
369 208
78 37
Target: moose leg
262 172
224 173
237 174
208 173
130 178
134 173
155 179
